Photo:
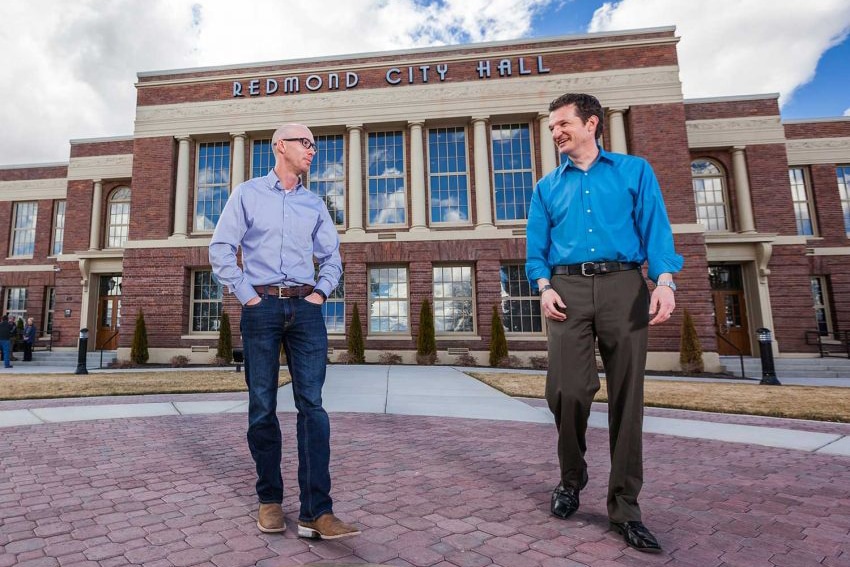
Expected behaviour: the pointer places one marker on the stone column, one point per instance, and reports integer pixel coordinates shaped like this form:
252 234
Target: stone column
746 221
483 200
181 195
548 151
355 179
96 215
617 130
418 198
237 173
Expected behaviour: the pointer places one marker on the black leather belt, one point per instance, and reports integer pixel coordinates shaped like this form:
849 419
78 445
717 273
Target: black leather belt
593 268
282 291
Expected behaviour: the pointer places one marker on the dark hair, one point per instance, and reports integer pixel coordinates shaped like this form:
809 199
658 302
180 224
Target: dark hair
586 106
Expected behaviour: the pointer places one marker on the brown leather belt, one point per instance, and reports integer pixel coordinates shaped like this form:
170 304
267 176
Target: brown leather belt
593 268
283 292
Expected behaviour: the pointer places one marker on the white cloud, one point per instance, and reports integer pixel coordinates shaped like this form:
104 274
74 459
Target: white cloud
730 47
69 68
847 112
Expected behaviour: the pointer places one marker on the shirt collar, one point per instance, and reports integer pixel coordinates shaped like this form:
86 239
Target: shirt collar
603 156
273 182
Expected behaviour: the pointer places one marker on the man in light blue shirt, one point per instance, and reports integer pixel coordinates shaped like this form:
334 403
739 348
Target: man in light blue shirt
592 223
281 227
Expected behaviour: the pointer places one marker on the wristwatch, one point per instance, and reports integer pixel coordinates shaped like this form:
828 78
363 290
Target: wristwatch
669 283
546 287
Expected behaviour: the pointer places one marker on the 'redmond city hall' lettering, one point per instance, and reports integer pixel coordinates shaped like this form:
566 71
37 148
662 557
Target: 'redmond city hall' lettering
420 74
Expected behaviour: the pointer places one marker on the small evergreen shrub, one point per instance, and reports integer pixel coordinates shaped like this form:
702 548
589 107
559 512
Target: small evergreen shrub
498 342
356 347
426 341
225 339
139 350
690 349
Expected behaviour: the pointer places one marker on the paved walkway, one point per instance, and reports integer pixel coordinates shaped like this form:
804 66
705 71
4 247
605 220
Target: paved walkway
437 469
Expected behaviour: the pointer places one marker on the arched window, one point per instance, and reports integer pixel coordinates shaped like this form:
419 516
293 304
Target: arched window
710 194
118 220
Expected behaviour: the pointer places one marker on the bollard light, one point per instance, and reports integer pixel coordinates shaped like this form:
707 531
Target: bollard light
82 352
768 370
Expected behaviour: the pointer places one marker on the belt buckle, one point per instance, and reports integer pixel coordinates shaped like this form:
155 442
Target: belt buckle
280 289
585 266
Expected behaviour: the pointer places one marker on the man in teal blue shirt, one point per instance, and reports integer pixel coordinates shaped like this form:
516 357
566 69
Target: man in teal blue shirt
592 223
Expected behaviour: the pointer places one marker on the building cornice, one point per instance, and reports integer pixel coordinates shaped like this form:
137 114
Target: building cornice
33 189
818 151
726 132
101 167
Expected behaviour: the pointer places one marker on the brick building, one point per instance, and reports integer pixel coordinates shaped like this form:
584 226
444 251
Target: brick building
427 161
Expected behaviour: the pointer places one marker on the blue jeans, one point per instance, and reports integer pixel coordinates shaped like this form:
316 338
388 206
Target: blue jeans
6 346
300 326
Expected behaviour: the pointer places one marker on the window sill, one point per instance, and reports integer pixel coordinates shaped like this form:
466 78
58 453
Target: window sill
388 337
199 336
458 337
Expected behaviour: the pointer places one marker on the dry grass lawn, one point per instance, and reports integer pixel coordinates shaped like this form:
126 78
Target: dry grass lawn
34 386
798 402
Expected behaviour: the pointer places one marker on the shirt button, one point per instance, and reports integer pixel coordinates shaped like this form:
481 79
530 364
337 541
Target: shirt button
589 230
593 249
587 192
588 210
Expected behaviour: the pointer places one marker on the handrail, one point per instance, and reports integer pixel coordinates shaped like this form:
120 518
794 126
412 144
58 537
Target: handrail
734 346
100 348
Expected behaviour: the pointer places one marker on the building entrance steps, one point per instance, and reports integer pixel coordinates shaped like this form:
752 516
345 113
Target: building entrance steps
831 367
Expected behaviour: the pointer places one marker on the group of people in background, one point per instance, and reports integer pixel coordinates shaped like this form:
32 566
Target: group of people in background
9 333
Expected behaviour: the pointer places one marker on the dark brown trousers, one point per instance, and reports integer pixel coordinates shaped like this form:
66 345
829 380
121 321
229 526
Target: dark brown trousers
613 309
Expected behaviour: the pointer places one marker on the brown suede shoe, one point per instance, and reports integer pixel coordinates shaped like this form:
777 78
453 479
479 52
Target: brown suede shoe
326 526
270 519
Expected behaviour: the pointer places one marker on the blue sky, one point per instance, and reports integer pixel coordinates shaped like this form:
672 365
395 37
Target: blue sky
69 68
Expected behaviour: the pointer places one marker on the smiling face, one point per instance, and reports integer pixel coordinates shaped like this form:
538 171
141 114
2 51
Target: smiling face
573 136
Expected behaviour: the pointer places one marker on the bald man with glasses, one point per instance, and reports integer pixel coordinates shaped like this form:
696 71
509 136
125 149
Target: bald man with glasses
281 226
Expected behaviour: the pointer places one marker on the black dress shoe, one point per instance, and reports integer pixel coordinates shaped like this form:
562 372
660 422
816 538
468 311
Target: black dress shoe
565 501
637 536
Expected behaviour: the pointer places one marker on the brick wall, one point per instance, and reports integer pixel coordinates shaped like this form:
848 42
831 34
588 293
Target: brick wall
732 109
827 202
29 173
105 148
152 205
770 189
798 131
791 296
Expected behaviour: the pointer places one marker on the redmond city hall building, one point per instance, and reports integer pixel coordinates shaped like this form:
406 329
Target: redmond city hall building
427 161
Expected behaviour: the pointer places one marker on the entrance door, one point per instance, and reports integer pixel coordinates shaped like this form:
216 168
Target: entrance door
730 309
108 312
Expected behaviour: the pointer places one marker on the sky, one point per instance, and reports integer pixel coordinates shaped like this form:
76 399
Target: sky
68 69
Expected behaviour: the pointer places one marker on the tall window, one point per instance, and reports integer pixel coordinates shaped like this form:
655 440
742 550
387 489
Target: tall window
327 175
802 204
262 158
843 174
334 309
453 299
16 302
58 228
213 183
513 182
387 198
118 221
51 309
448 175
520 305
206 302
23 229
388 300
709 195
821 305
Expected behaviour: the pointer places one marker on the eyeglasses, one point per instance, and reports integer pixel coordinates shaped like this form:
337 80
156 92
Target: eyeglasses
306 142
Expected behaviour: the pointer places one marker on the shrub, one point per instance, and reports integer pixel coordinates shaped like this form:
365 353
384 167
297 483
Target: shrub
179 361
121 364
343 358
690 350
225 339
218 361
466 359
510 361
539 362
498 342
390 358
356 348
426 341
139 350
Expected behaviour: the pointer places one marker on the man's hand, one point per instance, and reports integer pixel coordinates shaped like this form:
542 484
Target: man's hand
661 304
553 306
315 298
253 301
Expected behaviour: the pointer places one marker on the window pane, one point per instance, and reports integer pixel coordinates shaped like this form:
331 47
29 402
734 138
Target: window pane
843 175
118 221
709 195
387 197
513 181
23 229
262 158
453 300
213 183
520 306
448 175
206 302
327 175
388 307
334 308
58 228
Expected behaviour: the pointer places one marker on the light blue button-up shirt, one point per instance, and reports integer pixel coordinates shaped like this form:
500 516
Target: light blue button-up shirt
614 211
280 232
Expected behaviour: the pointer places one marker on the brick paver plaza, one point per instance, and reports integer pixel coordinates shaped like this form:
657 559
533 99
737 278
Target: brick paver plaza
177 491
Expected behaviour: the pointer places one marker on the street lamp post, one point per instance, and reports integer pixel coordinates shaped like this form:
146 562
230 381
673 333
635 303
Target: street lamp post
82 351
768 370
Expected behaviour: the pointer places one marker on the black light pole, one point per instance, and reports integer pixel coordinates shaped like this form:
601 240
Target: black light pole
82 351
768 371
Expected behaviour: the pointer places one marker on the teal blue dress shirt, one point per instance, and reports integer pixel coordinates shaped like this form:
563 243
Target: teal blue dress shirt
614 211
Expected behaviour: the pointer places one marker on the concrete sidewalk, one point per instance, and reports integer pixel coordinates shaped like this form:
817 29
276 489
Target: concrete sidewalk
436 468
